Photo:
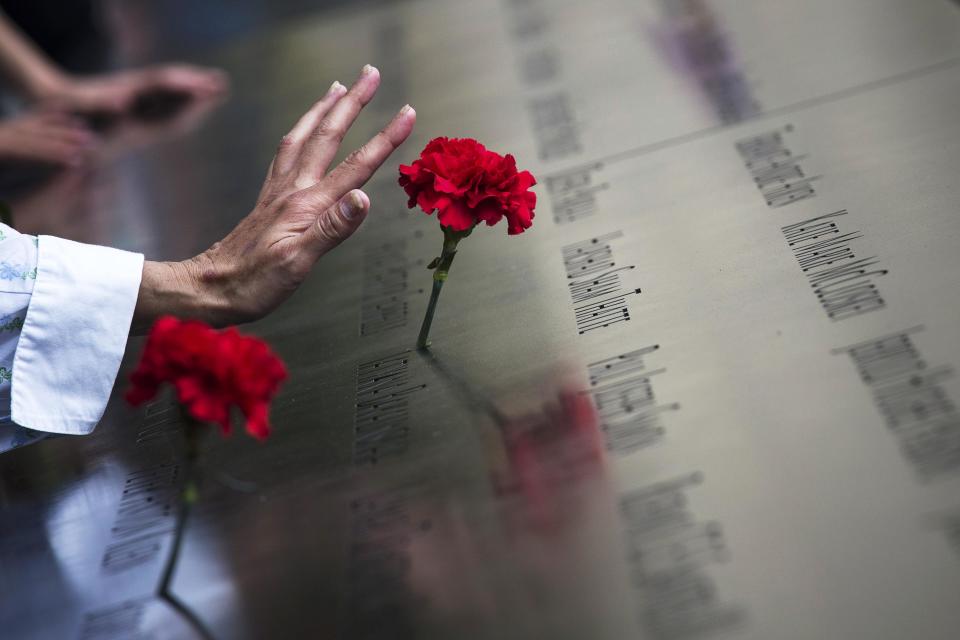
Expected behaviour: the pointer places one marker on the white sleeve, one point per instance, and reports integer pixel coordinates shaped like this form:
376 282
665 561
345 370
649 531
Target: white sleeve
73 335
18 271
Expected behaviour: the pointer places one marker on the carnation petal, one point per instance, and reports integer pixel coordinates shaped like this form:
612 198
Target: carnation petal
443 185
456 216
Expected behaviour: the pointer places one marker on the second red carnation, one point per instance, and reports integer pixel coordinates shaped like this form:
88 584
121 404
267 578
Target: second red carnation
211 372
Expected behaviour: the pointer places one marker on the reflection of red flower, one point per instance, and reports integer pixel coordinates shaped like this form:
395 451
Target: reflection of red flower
211 370
467 184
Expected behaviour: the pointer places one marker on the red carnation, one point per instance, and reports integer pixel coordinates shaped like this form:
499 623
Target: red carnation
211 371
467 184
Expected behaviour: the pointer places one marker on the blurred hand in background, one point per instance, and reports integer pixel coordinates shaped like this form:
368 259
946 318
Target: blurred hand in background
45 137
40 80
132 92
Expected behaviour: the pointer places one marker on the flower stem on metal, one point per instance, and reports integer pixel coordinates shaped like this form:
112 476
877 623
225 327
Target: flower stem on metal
441 267
188 496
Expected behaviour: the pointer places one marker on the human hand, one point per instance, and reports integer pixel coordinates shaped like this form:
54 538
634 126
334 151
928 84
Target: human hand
119 92
46 137
303 212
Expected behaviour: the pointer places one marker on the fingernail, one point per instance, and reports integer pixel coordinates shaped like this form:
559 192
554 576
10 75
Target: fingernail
351 205
406 110
336 87
367 70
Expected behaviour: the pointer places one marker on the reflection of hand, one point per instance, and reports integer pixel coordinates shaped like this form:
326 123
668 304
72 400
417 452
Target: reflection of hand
130 134
302 213
118 92
45 137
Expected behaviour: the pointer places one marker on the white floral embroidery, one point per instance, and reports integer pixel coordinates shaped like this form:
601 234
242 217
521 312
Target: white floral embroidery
18 271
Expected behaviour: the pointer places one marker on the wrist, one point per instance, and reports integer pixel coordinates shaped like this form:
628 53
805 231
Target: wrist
47 84
173 288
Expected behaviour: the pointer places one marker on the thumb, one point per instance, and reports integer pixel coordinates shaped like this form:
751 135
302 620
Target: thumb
336 224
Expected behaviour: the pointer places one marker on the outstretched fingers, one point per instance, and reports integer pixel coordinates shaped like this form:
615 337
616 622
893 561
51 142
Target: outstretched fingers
338 222
360 165
324 141
292 144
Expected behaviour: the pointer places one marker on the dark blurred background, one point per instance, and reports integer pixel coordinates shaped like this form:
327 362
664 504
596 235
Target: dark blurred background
85 36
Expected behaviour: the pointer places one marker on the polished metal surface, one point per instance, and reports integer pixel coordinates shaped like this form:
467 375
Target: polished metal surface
709 394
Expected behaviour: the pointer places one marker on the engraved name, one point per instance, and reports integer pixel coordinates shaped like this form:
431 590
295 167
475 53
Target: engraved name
555 125
842 281
144 518
593 278
381 422
573 194
775 169
385 293
117 622
670 555
539 66
162 418
378 598
622 391
910 395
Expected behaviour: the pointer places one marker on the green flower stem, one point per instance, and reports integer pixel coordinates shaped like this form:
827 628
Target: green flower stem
442 269
422 341
188 497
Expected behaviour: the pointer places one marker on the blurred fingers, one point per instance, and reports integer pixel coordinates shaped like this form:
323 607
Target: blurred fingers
55 151
191 79
69 133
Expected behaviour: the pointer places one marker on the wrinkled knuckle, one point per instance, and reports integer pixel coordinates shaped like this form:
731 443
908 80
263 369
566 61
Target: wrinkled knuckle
304 180
328 130
285 142
298 201
358 158
306 201
327 229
